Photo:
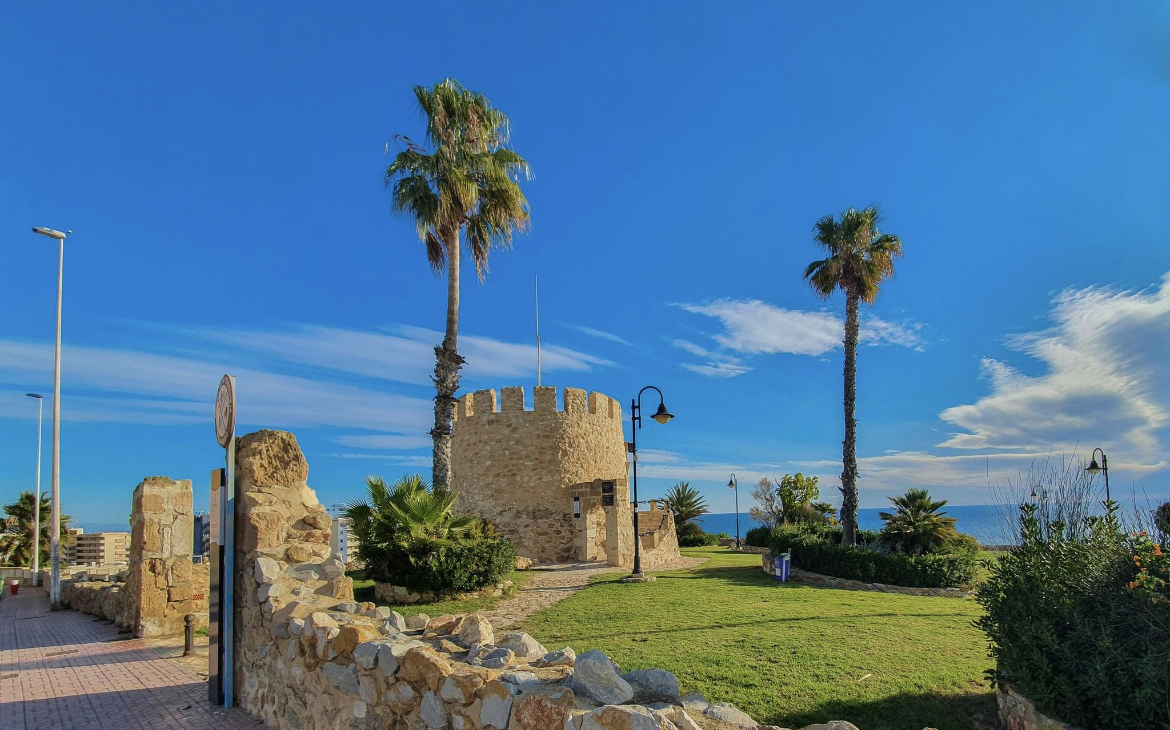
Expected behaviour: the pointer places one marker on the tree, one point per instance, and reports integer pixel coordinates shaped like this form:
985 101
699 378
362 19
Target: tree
685 502
16 544
770 510
466 186
827 512
916 526
859 259
795 493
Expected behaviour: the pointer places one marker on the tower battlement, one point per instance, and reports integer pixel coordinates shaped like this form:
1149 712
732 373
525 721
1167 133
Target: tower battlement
574 402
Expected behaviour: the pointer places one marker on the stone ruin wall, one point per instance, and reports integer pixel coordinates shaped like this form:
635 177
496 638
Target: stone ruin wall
310 658
659 539
522 468
162 583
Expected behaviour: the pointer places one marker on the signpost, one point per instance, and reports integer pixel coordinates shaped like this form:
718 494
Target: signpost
223 555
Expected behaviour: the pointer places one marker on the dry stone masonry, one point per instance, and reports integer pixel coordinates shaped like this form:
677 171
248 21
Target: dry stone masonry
553 481
162 585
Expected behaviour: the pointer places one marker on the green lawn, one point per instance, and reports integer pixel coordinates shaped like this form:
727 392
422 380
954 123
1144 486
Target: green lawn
788 654
363 590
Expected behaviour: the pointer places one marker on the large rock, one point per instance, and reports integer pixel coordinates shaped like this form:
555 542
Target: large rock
497 704
596 676
267 570
270 459
656 683
542 708
560 658
476 629
623 717
344 678
422 665
522 645
432 711
833 725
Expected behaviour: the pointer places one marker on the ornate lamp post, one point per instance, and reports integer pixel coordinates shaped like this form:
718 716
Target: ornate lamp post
662 416
734 484
1094 468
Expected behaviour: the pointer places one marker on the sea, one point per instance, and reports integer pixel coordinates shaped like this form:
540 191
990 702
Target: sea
981 521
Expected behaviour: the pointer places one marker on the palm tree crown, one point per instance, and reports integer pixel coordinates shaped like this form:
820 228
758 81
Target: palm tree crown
466 184
859 258
916 526
409 514
685 502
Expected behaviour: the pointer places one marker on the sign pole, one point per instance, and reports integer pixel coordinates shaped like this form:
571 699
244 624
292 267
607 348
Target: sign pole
225 433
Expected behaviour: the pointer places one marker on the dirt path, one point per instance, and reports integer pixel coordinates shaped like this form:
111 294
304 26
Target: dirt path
553 583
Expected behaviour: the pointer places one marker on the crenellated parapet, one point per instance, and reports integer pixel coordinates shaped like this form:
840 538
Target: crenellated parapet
574 402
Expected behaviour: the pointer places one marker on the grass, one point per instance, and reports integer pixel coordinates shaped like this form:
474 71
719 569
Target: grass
363 590
788 654
199 632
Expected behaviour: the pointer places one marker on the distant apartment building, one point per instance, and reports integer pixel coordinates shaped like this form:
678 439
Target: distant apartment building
342 540
202 534
99 548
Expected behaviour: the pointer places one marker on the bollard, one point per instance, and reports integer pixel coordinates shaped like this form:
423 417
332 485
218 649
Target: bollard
189 634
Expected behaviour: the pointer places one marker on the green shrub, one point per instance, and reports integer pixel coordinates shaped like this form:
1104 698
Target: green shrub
821 552
758 536
691 534
1076 624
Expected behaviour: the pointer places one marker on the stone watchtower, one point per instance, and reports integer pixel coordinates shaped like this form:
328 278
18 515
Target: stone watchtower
540 474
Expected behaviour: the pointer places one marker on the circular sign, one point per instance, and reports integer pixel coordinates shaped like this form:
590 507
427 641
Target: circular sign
225 411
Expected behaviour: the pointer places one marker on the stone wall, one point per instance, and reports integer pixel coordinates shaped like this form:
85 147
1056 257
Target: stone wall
1017 712
659 541
309 657
161 585
165 584
829 581
518 467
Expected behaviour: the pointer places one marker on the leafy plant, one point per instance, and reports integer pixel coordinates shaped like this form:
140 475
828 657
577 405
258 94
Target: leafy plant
409 535
916 526
758 536
465 185
691 534
16 544
1079 623
859 259
686 503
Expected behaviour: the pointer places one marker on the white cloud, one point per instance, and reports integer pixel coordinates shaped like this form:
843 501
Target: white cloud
692 348
717 369
384 441
601 334
1104 381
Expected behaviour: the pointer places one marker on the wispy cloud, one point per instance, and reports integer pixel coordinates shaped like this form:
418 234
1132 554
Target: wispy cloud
717 369
1104 380
601 334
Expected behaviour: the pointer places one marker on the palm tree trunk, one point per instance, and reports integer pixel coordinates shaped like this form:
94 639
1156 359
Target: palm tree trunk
447 365
849 445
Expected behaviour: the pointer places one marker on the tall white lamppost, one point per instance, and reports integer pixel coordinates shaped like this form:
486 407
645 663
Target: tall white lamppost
55 513
36 556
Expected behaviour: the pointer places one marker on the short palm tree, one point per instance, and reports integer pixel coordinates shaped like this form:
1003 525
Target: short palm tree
859 259
410 515
916 526
16 545
685 502
464 186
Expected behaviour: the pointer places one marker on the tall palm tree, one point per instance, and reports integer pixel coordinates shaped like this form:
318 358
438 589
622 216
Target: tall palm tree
859 259
685 502
16 544
466 185
916 526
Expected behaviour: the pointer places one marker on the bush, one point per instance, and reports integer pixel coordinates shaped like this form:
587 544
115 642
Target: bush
821 552
758 536
445 567
1080 624
691 534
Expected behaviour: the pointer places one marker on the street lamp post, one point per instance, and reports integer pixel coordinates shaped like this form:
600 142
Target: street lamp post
662 416
734 484
55 512
36 556
1094 468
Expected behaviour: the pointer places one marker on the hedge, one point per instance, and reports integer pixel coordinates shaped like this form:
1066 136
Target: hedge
446 567
821 553
758 536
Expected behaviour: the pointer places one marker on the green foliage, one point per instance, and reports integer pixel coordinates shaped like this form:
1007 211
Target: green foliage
1162 519
686 503
16 545
916 526
758 536
827 512
1074 626
467 180
796 492
821 551
691 534
409 536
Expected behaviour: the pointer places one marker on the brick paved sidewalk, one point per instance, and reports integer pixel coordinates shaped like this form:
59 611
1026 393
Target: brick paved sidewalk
64 670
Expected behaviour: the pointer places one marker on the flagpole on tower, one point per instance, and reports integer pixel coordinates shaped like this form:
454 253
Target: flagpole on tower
538 330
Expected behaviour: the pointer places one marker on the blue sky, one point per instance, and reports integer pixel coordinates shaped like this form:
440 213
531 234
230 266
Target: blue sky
221 167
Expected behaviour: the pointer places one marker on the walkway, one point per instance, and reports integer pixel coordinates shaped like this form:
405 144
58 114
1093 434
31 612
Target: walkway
68 671
553 583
